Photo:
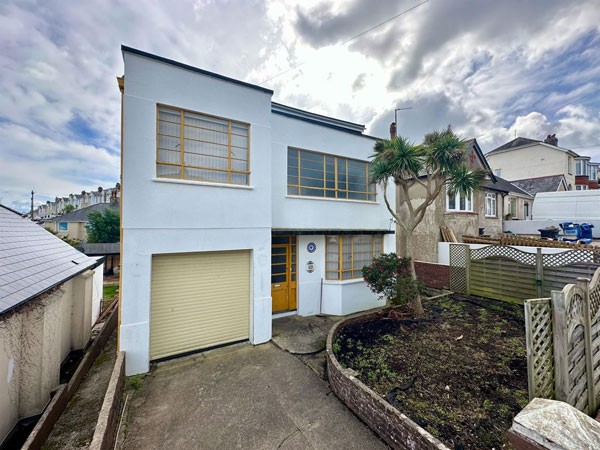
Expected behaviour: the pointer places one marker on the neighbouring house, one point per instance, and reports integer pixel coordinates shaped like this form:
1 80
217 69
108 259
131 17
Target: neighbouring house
586 174
523 159
463 215
77 201
73 225
110 251
533 186
50 296
258 210
518 203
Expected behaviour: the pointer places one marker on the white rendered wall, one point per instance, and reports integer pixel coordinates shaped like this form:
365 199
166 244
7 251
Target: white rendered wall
293 212
169 217
534 161
98 290
317 295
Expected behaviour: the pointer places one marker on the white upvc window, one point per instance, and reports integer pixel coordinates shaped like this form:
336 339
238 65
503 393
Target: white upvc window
490 205
581 167
459 203
63 226
593 172
570 165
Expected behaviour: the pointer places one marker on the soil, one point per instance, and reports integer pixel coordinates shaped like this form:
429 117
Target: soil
460 373
75 427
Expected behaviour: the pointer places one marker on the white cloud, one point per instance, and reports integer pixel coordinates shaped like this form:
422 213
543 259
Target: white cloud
486 67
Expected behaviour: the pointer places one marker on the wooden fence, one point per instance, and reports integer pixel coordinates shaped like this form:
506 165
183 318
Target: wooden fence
523 241
563 345
506 273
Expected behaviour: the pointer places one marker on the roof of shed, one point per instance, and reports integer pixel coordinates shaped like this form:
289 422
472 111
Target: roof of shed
81 215
32 260
113 248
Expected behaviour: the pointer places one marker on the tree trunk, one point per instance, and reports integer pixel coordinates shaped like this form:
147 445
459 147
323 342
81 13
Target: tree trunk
405 251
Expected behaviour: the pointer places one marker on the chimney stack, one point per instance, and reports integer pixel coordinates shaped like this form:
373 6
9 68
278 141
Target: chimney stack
552 140
393 130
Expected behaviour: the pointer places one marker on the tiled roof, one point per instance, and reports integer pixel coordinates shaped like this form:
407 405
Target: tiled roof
540 184
505 186
80 215
518 142
32 260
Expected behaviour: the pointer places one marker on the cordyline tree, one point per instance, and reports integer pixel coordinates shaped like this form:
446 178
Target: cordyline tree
421 172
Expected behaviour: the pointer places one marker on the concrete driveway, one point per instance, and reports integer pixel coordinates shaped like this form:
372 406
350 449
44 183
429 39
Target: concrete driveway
241 397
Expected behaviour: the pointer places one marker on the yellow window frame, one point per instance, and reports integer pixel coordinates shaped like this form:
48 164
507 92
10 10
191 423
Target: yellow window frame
182 139
335 189
340 244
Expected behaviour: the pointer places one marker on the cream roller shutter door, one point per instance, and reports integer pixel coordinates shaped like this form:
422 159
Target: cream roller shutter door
198 300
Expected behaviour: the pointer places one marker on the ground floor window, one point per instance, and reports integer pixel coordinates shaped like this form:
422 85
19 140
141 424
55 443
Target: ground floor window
512 206
348 254
63 226
458 202
490 205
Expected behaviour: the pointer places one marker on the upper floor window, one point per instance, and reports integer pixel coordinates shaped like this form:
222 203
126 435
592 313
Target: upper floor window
319 175
490 204
193 146
459 203
498 172
593 172
581 167
348 254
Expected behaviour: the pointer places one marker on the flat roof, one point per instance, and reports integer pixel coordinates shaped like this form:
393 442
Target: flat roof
171 62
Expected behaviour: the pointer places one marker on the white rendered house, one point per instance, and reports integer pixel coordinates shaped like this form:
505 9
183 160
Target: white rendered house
235 210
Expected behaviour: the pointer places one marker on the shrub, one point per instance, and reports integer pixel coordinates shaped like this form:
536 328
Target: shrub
389 275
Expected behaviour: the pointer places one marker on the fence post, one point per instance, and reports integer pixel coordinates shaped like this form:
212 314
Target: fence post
584 284
539 271
560 340
529 347
468 269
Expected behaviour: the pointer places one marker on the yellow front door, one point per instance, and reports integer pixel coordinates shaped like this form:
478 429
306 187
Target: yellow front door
283 273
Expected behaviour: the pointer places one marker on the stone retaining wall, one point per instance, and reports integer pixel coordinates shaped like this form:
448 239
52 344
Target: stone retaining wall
396 429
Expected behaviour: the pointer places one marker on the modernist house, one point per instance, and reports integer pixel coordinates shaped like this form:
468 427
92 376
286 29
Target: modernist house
524 159
258 210
50 297
586 173
73 225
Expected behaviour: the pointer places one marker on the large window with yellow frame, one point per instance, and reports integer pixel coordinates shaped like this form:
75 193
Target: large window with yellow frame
194 146
346 255
314 174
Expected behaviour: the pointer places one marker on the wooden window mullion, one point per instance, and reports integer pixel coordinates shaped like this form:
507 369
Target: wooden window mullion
182 137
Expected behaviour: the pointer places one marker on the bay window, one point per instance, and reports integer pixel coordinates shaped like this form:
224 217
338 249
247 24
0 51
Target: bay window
348 254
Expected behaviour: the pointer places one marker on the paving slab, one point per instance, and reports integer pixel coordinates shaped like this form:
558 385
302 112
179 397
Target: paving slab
302 335
241 397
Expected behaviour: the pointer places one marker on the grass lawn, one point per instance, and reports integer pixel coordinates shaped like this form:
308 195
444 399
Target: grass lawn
109 291
461 374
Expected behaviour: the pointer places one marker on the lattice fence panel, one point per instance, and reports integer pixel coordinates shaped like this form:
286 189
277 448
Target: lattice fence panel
577 389
504 251
540 352
458 268
570 257
594 299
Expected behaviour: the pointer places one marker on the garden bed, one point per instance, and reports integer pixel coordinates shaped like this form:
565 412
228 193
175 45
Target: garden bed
460 372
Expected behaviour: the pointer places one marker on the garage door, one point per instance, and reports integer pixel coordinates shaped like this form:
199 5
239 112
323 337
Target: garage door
198 300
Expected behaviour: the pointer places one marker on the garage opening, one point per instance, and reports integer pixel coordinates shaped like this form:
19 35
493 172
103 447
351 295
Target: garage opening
198 300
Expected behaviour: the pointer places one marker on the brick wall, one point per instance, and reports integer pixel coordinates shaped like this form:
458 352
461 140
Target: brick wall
396 429
433 275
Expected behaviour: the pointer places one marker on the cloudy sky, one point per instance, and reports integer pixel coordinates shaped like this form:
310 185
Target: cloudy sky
490 68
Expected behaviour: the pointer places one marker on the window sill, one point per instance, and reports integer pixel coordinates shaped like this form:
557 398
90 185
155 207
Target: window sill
202 183
342 282
491 217
462 212
306 197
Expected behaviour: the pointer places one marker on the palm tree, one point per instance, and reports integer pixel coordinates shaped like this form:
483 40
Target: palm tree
421 171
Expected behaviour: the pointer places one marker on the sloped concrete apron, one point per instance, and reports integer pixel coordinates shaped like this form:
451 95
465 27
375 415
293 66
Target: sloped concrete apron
395 428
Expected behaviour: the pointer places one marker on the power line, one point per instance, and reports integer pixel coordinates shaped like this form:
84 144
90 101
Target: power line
352 38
